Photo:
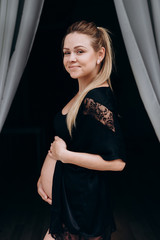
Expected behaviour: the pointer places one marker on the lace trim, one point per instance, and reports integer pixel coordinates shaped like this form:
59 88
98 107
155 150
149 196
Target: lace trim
69 236
66 235
99 112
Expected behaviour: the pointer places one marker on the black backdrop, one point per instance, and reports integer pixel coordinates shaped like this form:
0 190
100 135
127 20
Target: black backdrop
45 88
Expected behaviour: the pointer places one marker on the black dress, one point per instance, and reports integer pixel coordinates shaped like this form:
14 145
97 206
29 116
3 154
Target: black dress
80 197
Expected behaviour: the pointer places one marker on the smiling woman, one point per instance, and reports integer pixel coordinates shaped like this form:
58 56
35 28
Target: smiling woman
88 144
80 59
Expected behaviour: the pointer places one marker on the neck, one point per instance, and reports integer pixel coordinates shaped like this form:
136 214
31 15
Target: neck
84 82
82 85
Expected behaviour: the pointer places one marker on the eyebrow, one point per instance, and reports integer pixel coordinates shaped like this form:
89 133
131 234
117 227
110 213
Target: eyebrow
76 47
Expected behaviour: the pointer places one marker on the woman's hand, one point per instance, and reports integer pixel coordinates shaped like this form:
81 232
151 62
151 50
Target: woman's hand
57 148
42 193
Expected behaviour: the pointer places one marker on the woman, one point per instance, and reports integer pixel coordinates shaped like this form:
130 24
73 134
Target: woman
88 142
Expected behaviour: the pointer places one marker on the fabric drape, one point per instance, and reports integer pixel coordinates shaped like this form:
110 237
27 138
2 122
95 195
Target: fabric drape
140 25
18 24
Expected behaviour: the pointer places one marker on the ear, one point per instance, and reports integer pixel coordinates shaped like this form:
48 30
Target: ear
100 55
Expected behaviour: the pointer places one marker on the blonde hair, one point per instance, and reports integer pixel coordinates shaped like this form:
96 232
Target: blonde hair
99 38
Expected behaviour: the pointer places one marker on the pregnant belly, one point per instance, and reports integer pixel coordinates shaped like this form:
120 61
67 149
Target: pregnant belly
47 175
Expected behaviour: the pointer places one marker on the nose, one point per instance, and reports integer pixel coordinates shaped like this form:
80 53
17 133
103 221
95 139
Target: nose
72 57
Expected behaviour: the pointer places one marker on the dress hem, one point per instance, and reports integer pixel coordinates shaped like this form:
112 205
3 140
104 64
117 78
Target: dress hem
68 235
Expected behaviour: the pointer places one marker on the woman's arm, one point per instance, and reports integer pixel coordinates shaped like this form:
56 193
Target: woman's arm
59 151
91 161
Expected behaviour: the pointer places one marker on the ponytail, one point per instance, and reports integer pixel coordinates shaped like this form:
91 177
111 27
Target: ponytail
100 38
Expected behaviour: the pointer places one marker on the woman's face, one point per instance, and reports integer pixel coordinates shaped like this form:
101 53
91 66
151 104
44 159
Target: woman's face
80 59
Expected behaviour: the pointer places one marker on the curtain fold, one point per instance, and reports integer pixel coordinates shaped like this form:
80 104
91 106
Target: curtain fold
140 24
12 65
155 9
8 14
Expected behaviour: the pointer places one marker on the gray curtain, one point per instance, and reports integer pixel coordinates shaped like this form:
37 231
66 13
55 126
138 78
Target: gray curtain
140 25
18 24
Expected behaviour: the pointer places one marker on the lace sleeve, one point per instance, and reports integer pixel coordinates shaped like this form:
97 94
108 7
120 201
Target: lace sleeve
99 112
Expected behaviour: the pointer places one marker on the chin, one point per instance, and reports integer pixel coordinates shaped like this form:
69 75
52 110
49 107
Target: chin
75 73
74 76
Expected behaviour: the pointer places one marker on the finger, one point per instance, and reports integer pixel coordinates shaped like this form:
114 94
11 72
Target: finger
49 201
43 196
42 193
56 138
50 153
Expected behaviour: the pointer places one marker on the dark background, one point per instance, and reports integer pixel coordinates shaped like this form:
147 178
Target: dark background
45 88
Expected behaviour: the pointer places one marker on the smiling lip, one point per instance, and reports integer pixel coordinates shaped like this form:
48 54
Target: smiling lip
73 66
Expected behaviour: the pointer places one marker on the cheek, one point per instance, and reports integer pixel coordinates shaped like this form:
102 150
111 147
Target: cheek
91 60
90 64
65 63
